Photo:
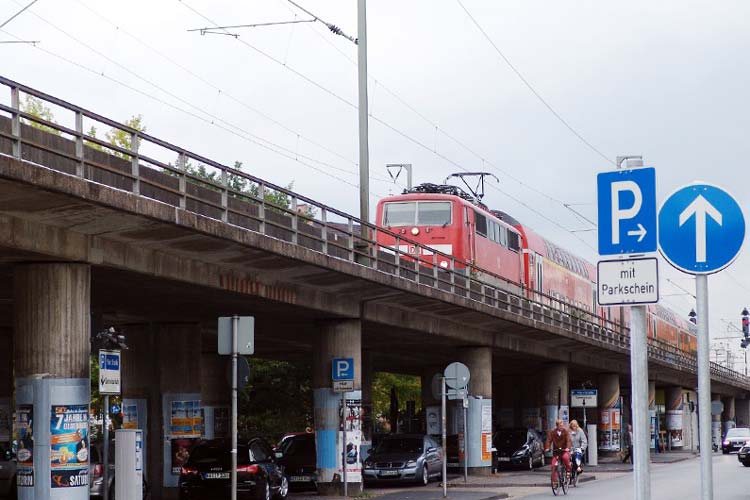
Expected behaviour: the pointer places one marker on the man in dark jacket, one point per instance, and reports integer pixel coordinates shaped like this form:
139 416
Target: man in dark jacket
558 440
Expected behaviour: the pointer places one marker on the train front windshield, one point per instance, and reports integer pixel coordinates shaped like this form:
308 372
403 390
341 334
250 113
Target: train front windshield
417 213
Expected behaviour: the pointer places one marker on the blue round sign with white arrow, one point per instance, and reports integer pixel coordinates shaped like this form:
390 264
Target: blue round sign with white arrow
701 229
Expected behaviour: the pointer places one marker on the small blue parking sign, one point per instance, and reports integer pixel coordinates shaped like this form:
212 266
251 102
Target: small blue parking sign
342 369
701 229
627 211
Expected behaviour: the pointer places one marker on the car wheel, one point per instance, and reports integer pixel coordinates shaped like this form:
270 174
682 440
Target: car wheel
264 490
425 476
725 452
746 464
283 488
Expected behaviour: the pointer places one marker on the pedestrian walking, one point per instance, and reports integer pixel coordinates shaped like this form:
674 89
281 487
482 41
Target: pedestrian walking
629 453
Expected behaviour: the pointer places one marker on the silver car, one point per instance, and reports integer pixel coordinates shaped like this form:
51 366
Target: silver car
404 457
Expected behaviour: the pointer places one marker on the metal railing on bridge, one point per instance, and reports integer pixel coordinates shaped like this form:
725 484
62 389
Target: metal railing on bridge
141 165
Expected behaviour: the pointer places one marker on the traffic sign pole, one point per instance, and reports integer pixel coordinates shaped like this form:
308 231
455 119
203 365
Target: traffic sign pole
704 388
235 326
443 421
639 382
343 437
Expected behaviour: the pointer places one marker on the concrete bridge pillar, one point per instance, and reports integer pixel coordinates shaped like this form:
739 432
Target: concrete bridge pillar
555 394
742 412
337 339
716 433
51 340
729 419
431 404
610 415
676 425
216 391
479 439
652 418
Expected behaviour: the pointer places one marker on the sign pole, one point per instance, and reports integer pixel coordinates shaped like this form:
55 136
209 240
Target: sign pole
466 442
235 325
105 448
704 387
639 380
343 437
444 435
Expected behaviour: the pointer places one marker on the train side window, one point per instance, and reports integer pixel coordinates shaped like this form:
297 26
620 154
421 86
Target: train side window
481 224
504 236
513 241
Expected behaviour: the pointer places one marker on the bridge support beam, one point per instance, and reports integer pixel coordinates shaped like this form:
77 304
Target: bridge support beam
716 433
52 324
336 339
555 394
479 439
610 413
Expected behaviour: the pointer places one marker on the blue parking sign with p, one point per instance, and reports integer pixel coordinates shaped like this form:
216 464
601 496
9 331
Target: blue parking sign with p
342 369
627 211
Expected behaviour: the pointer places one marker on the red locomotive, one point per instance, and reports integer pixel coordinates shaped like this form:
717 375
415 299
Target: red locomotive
450 221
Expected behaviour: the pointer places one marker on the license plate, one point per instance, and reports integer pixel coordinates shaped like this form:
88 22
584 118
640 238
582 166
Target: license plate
216 475
742 455
389 473
504 459
300 479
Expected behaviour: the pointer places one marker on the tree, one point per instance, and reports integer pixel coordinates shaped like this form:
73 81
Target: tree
36 108
408 388
122 138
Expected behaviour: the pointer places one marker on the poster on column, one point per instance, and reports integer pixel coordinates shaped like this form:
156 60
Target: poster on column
186 420
180 452
432 419
486 433
716 433
609 429
23 434
653 419
352 418
69 451
674 426
129 416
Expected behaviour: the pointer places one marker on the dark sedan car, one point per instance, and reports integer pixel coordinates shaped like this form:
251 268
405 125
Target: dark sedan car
518 447
744 455
296 454
404 457
735 439
207 473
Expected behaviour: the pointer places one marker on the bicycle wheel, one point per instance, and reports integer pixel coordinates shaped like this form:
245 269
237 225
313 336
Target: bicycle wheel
556 484
563 480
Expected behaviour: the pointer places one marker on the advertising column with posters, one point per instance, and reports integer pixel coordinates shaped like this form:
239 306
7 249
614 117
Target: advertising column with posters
675 417
609 428
186 425
23 434
69 452
352 418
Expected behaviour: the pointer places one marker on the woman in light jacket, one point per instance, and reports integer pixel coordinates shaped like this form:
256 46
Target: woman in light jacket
578 440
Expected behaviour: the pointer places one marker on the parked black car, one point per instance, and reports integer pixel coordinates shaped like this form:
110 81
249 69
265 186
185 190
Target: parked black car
296 454
518 447
404 457
207 473
744 455
735 439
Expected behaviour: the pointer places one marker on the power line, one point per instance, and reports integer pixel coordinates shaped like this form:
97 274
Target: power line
17 13
531 87
190 113
257 139
217 88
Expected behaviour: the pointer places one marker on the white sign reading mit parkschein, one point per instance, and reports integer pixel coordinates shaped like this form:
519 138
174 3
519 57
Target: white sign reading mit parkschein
628 281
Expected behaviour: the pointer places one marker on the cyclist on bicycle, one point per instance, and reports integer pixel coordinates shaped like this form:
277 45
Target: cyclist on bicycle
579 444
559 440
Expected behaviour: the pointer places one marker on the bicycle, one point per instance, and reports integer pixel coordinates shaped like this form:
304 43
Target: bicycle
576 461
560 473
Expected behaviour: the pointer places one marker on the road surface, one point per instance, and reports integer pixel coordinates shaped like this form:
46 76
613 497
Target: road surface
678 481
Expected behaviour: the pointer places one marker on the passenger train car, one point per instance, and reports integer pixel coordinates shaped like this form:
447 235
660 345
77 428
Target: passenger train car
446 219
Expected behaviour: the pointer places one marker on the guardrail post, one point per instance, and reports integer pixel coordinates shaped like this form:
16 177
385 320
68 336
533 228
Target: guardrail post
262 208
15 123
453 275
295 221
182 166
135 166
350 245
435 268
375 249
397 255
79 144
224 196
324 230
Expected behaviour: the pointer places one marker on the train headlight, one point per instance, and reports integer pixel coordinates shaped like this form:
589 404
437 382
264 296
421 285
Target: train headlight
414 231
444 264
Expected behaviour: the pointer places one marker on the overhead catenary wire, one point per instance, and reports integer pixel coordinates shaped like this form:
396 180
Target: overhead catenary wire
7 21
220 90
533 90
189 113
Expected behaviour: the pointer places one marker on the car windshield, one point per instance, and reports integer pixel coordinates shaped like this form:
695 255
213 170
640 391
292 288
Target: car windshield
515 437
422 213
739 432
400 445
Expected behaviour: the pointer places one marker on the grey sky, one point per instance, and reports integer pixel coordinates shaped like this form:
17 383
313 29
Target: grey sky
664 79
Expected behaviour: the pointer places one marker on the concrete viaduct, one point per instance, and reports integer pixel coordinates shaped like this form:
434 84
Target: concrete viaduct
93 237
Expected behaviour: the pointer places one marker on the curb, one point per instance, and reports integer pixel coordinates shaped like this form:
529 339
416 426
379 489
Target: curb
584 479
